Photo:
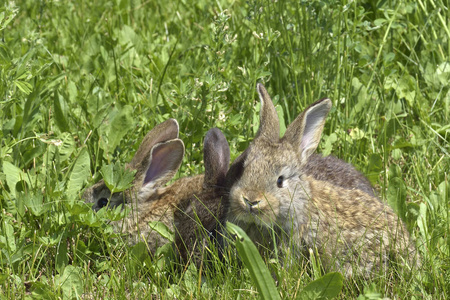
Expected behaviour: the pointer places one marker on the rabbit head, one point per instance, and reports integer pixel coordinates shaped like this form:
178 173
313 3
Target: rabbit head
100 195
201 213
270 188
268 175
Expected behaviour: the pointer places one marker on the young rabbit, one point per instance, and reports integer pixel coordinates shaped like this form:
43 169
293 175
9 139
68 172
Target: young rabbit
271 192
196 218
156 162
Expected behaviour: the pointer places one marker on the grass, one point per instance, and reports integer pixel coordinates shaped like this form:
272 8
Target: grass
82 82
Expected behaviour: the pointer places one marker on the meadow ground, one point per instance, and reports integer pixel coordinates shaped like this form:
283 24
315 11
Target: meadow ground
82 82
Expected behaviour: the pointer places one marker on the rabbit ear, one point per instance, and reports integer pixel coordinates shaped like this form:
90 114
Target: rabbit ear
216 156
165 131
165 159
269 126
304 133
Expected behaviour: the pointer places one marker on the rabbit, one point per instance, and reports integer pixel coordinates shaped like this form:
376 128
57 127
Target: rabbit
200 213
271 192
156 162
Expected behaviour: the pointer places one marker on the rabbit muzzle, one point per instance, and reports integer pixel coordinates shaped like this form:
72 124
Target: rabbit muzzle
253 206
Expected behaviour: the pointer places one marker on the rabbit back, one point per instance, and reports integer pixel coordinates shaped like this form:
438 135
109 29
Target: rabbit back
338 172
353 229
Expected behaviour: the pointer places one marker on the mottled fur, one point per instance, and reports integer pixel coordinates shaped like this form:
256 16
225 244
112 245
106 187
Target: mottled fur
149 200
337 172
196 218
159 206
156 161
273 189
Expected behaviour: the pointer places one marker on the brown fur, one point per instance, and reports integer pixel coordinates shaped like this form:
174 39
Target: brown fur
197 217
274 188
149 200
160 206
337 172
156 161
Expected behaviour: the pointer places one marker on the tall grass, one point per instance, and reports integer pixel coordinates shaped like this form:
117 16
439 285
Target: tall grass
82 82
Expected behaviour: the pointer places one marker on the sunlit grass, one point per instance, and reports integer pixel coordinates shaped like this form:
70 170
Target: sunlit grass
83 82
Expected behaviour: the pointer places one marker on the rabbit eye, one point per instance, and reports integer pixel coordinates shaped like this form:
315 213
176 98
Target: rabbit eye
102 202
280 181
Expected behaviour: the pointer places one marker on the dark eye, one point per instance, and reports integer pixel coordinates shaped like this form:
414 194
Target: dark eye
280 181
102 202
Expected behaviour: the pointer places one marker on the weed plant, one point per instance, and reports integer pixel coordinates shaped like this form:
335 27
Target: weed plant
82 82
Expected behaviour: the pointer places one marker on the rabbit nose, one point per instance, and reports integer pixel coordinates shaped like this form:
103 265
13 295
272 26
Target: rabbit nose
249 203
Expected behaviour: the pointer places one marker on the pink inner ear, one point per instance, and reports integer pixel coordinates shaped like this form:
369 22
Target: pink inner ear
306 140
164 158
314 121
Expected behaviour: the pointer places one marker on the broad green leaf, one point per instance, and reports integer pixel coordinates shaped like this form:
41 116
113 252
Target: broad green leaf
357 134
35 203
114 214
327 287
67 147
443 72
121 124
329 141
116 177
61 112
13 176
41 290
256 118
80 172
61 259
70 282
76 208
371 293
162 230
252 259
406 89
360 92
91 219
8 232
374 168
422 221
139 251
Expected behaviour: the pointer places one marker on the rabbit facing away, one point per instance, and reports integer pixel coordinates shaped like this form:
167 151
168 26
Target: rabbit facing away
197 217
156 161
272 189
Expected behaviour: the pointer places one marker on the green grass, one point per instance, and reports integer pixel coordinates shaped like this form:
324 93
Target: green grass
82 82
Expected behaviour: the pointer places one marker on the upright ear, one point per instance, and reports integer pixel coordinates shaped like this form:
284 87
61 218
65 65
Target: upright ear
216 156
304 133
165 131
269 126
165 159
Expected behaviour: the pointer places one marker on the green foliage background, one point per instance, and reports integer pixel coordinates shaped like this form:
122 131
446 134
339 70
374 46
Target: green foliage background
83 81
